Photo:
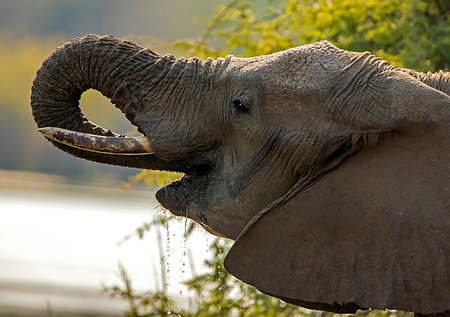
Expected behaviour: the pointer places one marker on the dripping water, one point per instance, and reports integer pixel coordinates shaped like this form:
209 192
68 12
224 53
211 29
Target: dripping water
166 260
167 252
162 261
183 258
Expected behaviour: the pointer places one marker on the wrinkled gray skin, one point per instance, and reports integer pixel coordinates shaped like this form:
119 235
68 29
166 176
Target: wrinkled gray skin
243 130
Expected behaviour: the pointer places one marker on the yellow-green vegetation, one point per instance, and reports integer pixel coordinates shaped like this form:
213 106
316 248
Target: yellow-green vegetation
153 178
408 33
19 61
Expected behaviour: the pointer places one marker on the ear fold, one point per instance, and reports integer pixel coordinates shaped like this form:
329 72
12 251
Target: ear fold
409 100
373 233
371 95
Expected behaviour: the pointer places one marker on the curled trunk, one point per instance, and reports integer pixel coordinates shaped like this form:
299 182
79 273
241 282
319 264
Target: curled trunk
103 63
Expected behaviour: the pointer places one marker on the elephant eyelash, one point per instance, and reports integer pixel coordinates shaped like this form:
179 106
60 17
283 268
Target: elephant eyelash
239 107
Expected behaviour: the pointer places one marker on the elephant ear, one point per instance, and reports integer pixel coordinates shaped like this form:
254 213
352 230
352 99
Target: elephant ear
372 233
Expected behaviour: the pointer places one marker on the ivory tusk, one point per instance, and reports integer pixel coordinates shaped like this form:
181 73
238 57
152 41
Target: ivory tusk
96 143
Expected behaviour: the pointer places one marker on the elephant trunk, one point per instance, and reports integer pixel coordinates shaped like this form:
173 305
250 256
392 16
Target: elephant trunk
104 63
101 63
439 80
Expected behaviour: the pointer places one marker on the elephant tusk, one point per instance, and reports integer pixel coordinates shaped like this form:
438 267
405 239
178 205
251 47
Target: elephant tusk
97 143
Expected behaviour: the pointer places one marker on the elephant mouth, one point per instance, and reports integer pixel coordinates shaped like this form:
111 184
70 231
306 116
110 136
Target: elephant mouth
198 170
176 196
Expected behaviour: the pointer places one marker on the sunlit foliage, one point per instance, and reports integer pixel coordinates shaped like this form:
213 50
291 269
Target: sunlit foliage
152 178
408 33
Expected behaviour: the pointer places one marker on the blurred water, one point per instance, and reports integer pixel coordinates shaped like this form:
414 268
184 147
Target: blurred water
61 248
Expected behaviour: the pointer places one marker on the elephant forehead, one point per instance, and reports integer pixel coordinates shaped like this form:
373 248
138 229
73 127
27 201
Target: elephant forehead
309 66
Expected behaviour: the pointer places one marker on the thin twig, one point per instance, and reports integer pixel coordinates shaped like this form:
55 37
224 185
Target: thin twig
162 260
216 21
48 306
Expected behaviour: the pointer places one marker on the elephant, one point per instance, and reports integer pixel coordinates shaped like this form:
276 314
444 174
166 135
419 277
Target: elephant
328 168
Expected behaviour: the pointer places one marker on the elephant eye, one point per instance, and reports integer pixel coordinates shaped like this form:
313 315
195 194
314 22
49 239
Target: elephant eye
239 107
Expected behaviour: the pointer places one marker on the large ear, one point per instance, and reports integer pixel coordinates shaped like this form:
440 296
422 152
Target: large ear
372 233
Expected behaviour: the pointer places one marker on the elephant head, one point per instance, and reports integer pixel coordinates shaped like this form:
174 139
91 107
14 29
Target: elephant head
329 168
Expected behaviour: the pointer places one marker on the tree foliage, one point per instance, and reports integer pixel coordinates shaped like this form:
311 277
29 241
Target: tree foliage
408 33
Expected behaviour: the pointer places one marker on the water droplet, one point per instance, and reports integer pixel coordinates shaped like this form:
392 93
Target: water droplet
168 253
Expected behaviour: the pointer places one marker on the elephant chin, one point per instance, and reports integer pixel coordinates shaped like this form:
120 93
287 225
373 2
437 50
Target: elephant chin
172 199
188 191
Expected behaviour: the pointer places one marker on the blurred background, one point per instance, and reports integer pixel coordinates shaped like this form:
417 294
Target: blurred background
83 239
